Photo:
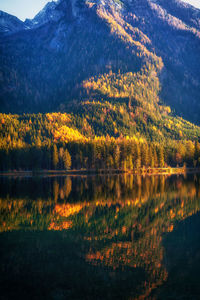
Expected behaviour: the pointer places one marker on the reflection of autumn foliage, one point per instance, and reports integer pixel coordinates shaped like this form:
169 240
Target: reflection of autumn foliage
66 210
127 193
122 221
16 214
140 244
144 252
61 226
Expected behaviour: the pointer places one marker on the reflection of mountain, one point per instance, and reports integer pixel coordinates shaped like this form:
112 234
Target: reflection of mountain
117 222
133 233
182 258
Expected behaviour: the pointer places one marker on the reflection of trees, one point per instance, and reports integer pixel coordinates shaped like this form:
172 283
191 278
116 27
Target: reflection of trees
123 218
103 191
133 235
55 191
67 187
62 190
25 214
132 229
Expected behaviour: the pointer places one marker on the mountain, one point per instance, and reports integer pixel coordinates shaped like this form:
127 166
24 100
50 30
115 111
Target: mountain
52 12
10 24
76 51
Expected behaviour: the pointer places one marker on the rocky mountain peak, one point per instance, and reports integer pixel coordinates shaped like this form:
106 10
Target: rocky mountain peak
10 24
50 13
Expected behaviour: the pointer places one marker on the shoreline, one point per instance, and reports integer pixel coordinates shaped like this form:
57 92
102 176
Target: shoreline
141 171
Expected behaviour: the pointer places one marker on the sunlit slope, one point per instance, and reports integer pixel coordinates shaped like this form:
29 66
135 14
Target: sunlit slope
47 67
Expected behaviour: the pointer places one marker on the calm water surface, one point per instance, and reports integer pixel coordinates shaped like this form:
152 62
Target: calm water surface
100 237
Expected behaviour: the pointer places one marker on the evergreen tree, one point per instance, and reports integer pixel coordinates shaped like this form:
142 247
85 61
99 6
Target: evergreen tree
110 162
161 160
145 155
67 160
138 156
197 152
117 156
151 158
155 157
55 158
61 154
129 162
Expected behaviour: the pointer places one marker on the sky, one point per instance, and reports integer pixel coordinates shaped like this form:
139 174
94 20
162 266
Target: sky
29 8
22 8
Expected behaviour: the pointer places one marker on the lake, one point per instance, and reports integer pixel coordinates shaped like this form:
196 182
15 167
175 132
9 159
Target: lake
100 237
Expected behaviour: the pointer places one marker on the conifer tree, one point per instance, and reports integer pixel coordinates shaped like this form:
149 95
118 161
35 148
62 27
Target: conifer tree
55 158
155 157
67 160
197 151
117 156
110 162
61 154
138 156
161 160
130 162
145 155
151 158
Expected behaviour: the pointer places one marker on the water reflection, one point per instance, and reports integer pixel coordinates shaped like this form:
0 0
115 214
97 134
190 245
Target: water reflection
113 226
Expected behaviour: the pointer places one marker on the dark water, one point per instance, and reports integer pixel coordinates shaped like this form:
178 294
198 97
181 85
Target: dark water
103 237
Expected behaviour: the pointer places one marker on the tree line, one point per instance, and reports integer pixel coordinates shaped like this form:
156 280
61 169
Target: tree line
99 153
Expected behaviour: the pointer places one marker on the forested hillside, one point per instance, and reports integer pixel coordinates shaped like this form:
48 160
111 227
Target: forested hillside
94 84
68 141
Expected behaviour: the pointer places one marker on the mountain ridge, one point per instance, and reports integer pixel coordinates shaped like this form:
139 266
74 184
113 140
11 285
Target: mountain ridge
10 24
115 81
74 38
45 15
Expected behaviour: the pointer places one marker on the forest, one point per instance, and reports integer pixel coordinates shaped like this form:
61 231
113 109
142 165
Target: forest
119 124
110 93
45 142
115 120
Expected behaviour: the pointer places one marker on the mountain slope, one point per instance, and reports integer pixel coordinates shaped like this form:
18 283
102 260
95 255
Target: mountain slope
52 12
10 24
44 68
